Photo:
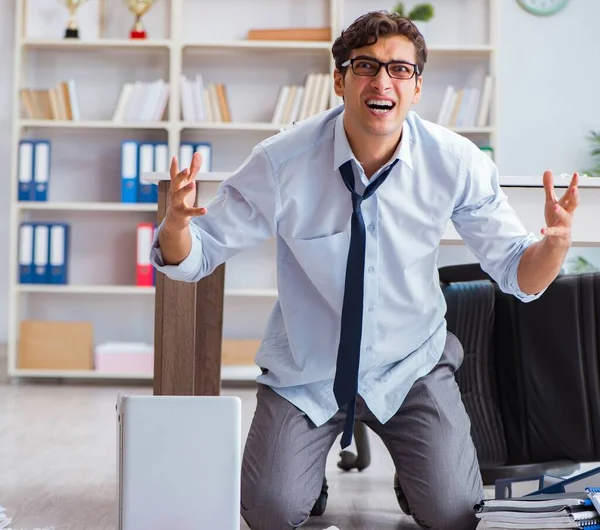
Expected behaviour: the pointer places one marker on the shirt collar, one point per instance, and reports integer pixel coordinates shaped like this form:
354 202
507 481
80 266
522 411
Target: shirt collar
342 151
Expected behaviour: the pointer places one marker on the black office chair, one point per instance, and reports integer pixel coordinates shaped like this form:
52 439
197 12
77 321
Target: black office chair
506 350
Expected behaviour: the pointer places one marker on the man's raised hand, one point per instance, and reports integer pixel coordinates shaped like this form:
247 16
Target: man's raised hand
182 193
559 212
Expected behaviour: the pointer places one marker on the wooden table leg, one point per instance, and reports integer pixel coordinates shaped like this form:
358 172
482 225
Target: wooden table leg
188 329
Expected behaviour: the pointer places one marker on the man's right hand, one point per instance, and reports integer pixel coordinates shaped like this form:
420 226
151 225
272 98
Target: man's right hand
182 195
175 239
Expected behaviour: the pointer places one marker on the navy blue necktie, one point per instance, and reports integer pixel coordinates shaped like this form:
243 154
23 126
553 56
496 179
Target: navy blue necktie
345 385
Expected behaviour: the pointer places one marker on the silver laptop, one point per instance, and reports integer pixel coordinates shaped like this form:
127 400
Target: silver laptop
179 462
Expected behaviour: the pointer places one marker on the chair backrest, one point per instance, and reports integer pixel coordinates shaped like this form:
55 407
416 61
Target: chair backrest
548 373
471 317
531 378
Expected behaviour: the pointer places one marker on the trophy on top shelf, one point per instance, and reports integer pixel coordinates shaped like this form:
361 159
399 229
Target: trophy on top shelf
139 8
72 31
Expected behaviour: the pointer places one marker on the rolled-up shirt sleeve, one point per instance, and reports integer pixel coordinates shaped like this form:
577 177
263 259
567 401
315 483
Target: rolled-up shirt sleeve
241 215
489 226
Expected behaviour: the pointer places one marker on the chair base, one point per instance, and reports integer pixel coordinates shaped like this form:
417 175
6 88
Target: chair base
362 458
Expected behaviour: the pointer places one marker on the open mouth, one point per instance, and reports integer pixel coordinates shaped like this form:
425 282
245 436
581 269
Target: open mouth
380 106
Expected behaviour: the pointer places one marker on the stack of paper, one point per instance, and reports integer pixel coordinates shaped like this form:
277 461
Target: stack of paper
4 519
559 510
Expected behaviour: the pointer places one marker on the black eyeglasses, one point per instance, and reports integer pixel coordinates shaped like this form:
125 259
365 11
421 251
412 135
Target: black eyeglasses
369 67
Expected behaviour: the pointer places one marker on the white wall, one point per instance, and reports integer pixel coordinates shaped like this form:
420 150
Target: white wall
6 80
548 87
547 78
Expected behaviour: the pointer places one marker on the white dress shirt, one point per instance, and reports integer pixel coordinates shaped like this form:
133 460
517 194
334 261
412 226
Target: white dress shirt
290 188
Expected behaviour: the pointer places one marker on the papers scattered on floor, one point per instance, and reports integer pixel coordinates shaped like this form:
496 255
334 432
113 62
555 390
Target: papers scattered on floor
559 510
4 519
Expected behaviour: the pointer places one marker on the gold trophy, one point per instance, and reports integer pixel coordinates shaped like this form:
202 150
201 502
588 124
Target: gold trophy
72 31
139 9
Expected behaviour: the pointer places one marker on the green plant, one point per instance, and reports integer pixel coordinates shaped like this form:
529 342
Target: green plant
578 265
594 138
422 12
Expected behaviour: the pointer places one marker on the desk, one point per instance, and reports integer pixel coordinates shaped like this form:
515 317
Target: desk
527 196
189 317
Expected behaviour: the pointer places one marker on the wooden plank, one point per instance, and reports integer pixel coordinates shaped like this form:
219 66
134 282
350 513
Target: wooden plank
209 333
188 329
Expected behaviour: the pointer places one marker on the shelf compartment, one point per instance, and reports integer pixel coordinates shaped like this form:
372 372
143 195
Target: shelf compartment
93 124
228 373
84 289
100 44
237 45
461 48
233 126
472 130
88 206
129 290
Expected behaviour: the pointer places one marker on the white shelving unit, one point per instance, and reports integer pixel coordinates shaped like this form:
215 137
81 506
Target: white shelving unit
185 37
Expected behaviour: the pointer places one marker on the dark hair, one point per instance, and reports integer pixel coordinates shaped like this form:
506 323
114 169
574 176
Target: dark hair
366 29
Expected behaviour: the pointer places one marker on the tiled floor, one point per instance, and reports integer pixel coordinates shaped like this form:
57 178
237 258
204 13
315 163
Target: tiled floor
58 462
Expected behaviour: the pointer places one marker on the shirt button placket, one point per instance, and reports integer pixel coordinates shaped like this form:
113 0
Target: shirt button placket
371 283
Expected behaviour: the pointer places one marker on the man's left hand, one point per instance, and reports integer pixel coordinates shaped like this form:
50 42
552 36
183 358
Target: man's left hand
559 213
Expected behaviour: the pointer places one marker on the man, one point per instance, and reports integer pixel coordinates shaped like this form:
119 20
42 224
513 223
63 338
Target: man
357 279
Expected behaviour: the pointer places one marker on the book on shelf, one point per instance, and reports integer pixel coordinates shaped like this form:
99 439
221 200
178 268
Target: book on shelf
57 103
33 169
239 352
290 34
187 150
466 106
142 101
145 273
298 102
204 103
43 253
139 157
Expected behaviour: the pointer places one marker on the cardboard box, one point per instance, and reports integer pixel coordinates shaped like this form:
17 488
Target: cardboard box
55 345
124 357
238 352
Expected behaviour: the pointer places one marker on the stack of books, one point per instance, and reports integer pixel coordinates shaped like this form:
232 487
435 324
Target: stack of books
56 103
141 101
467 107
139 157
34 169
44 252
298 102
553 510
204 102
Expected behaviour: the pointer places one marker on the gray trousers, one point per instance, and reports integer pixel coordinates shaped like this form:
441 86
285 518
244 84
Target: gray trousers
428 439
